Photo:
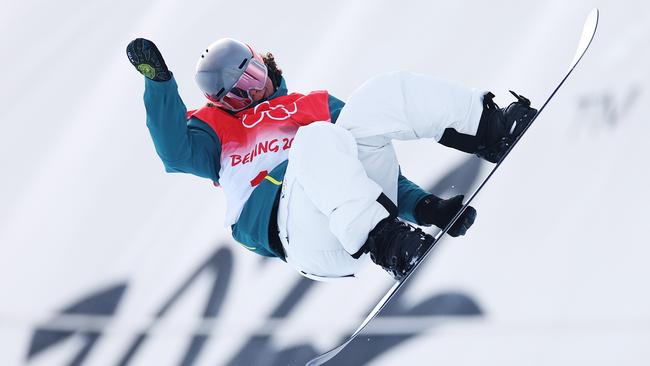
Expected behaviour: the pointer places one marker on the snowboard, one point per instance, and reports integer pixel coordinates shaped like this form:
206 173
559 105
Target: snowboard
588 32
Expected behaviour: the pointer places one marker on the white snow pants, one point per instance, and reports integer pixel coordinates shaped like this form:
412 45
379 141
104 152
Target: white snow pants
336 171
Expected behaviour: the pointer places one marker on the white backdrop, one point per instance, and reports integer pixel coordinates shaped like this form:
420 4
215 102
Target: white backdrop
98 245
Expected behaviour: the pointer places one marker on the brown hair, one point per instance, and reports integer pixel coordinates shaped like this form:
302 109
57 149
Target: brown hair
274 72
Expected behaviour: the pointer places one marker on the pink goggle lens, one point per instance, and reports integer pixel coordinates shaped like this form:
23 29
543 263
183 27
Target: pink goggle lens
253 78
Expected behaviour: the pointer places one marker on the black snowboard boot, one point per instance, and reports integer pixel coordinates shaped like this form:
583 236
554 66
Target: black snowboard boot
397 246
497 131
499 128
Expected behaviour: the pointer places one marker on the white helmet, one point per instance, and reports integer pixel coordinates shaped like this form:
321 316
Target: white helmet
227 71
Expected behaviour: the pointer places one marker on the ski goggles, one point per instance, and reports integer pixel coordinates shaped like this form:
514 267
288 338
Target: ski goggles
238 97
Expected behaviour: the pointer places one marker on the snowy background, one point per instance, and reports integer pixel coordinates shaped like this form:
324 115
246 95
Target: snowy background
107 260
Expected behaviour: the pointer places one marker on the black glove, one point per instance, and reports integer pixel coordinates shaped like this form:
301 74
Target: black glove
146 58
432 210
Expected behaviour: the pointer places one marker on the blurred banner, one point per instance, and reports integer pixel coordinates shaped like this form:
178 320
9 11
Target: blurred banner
107 260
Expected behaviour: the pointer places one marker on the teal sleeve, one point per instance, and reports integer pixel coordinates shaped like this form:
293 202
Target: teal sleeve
408 196
187 147
335 105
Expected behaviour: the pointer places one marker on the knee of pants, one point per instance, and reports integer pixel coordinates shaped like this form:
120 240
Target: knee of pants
317 139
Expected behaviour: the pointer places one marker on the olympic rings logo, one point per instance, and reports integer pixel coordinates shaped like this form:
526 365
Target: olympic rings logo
277 113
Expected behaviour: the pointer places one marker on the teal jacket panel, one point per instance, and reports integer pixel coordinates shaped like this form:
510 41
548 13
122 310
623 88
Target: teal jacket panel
252 228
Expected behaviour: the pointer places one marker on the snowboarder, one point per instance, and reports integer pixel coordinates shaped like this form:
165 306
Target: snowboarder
307 178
